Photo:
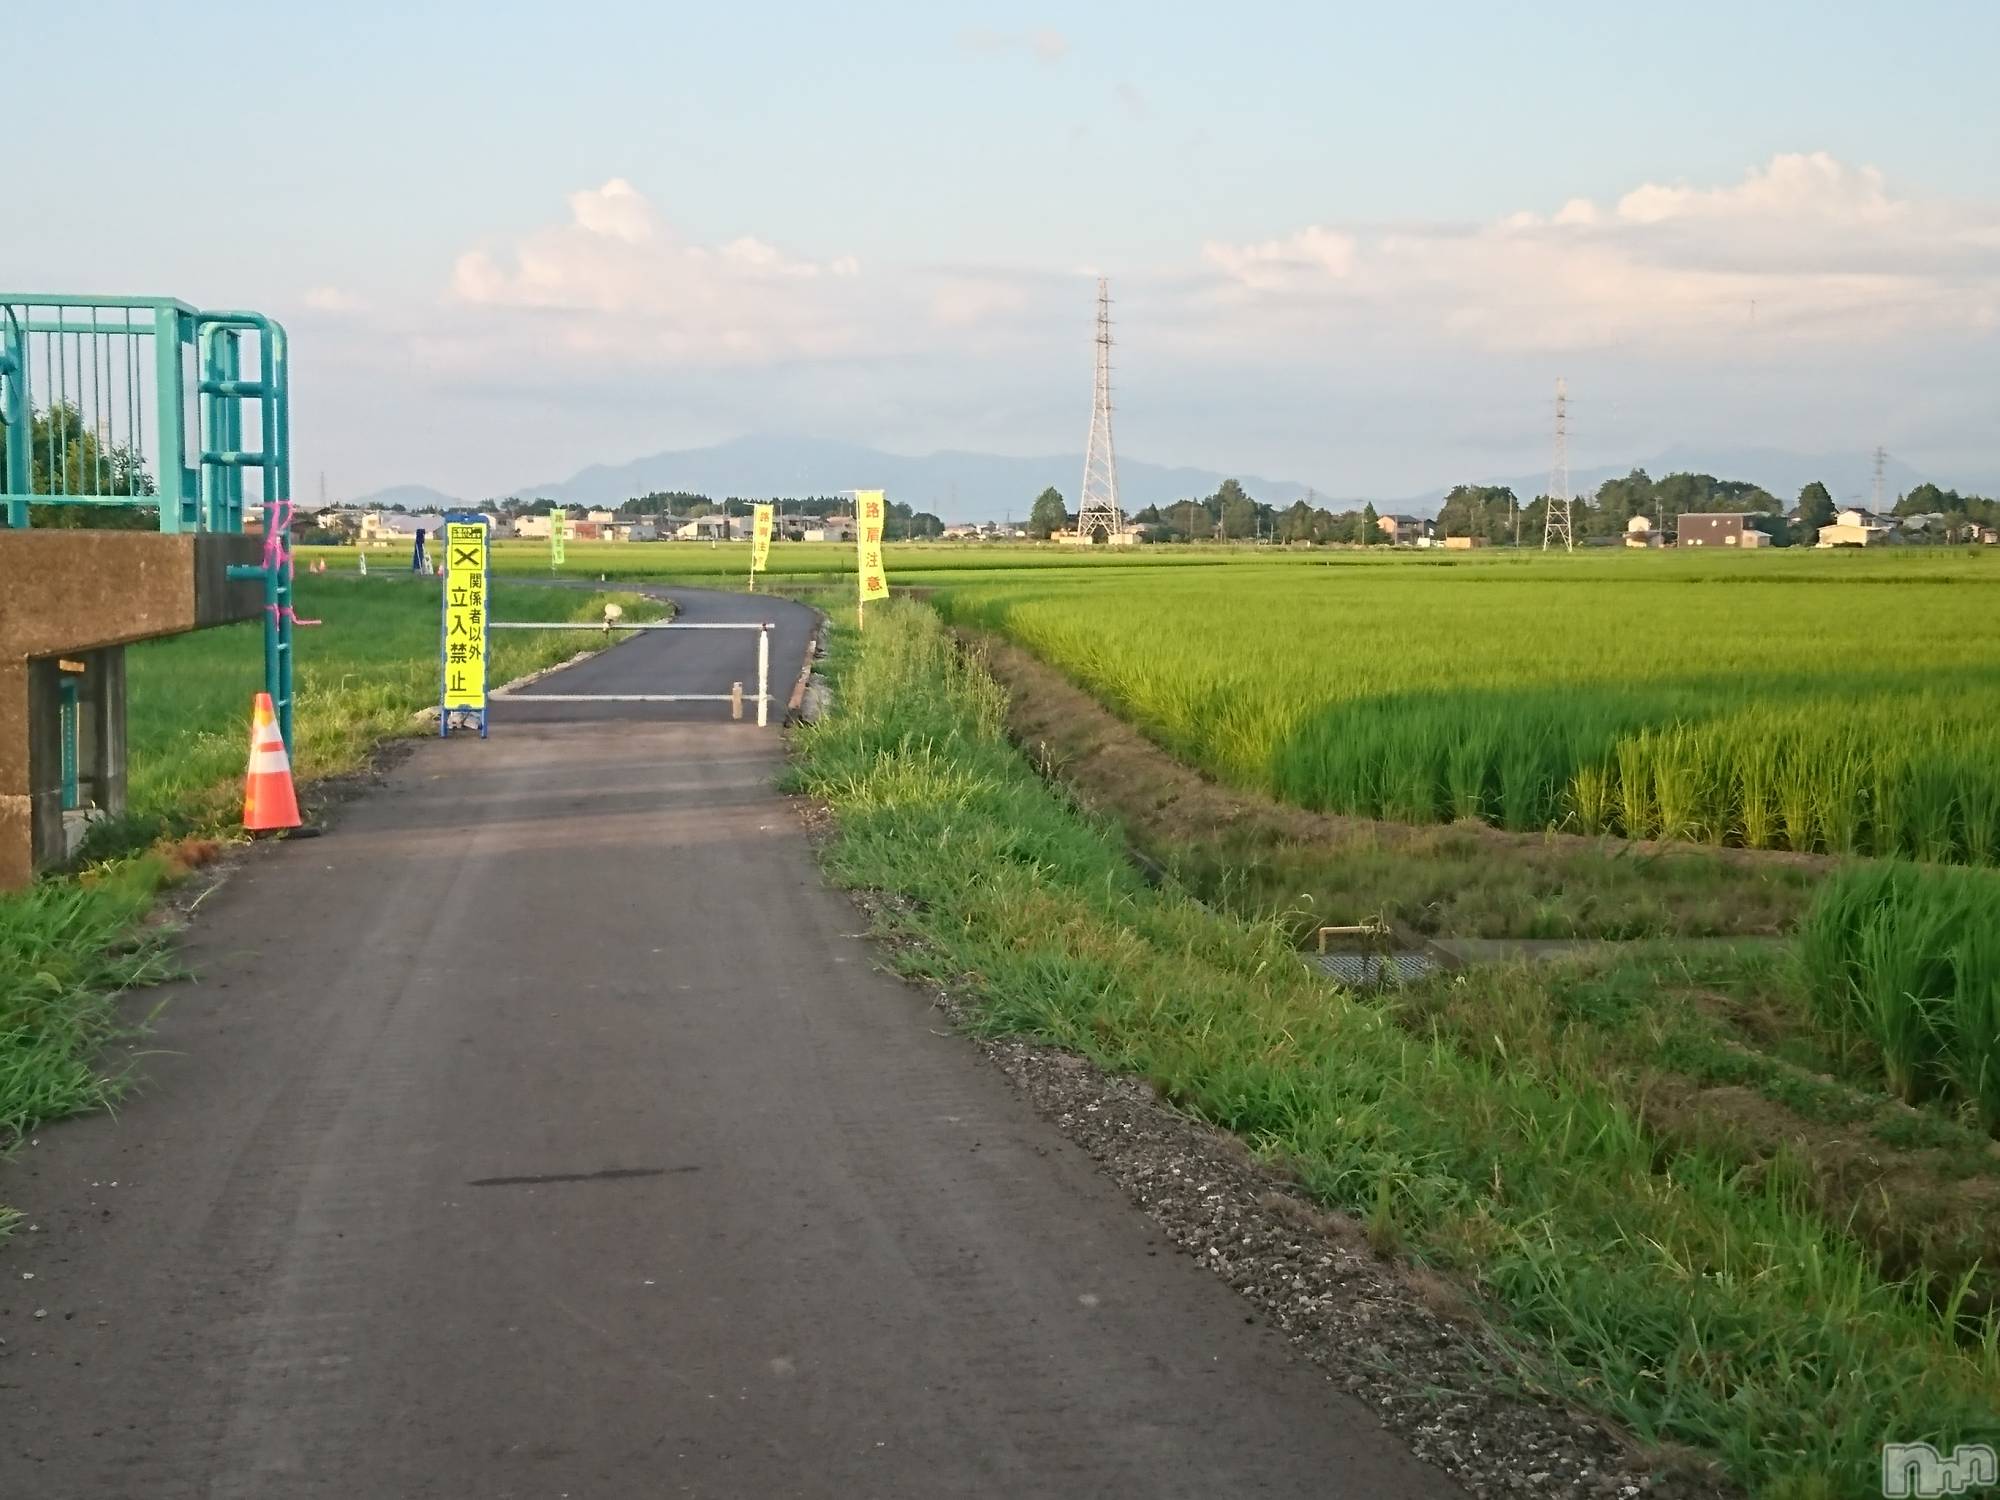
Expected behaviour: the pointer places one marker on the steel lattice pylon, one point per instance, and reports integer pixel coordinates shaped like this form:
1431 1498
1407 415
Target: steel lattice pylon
1555 520
1098 509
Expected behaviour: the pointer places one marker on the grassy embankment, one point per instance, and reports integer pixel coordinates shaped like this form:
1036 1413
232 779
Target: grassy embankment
1648 1269
71 945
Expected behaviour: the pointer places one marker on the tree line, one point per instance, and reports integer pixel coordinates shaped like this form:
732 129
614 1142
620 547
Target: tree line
1496 515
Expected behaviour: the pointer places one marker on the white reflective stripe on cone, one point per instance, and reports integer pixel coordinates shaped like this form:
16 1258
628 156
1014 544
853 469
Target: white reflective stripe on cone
264 762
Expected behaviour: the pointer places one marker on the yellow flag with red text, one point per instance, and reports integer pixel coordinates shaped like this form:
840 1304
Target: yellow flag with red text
870 512
760 539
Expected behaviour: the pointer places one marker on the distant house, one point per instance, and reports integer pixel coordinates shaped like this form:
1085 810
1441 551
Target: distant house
1127 535
1404 529
381 528
1729 528
1639 532
830 529
705 529
1856 528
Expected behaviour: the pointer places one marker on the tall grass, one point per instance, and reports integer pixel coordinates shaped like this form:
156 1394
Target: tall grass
1903 962
1698 1303
65 955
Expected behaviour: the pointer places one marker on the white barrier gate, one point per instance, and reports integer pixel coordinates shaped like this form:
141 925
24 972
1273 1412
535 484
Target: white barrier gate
734 699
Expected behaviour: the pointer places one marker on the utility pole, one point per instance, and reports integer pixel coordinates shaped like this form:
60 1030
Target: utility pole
1556 521
1098 505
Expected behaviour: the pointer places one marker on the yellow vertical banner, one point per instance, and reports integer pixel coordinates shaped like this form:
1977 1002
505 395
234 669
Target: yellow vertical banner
870 512
760 538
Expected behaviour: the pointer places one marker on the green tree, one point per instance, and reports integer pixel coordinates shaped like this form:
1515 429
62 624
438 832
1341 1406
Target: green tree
1238 512
1482 510
1927 499
1371 526
1815 510
1049 515
1190 519
925 525
1296 525
67 457
1618 501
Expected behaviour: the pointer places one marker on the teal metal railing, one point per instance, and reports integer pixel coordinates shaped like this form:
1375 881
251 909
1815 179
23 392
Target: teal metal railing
97 395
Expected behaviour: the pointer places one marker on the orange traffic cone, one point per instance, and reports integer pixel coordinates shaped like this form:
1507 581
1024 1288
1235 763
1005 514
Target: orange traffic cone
268 799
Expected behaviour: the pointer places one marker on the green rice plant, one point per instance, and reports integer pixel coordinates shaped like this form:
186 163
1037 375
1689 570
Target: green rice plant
1978 796
1413 777
1592 799
1471 772
1899 990
1902 960
1796 792
1972 1047
1889 830
1527 779
1931 809
1840 797
1635 784
1679 785
1756 767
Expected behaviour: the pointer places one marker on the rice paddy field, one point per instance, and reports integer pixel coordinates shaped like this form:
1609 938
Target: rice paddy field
1807 701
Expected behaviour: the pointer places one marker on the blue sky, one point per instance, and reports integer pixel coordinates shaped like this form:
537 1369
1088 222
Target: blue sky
510 239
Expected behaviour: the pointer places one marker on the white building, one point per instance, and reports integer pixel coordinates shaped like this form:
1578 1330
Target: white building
1854 528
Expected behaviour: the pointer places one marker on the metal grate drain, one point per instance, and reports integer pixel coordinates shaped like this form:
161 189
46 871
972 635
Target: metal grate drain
1373 968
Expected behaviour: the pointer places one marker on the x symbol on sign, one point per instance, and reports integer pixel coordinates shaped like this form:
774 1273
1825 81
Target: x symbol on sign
465 557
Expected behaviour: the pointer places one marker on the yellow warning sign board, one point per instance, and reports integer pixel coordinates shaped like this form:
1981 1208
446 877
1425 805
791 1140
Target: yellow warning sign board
464 663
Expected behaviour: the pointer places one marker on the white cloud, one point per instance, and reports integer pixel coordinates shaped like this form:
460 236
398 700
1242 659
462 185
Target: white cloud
615 210
1805 247
332 299
1045 45
1311 253
618 278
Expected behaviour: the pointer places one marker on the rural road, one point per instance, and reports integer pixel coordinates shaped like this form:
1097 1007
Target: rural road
547 1130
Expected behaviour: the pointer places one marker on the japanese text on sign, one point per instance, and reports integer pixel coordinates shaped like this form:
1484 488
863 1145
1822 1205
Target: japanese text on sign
870 511
760 538
465 615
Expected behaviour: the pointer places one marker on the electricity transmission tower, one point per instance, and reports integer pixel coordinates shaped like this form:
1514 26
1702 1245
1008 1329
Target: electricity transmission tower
1881 462
1555 520
1098 507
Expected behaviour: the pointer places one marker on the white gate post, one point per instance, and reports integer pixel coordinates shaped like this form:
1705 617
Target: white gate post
764 677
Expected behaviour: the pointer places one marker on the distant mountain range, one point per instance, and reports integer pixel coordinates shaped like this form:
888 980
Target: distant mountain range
956 486
987 486
409 496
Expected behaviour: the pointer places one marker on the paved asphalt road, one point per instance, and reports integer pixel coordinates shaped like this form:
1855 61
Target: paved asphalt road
546 1130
